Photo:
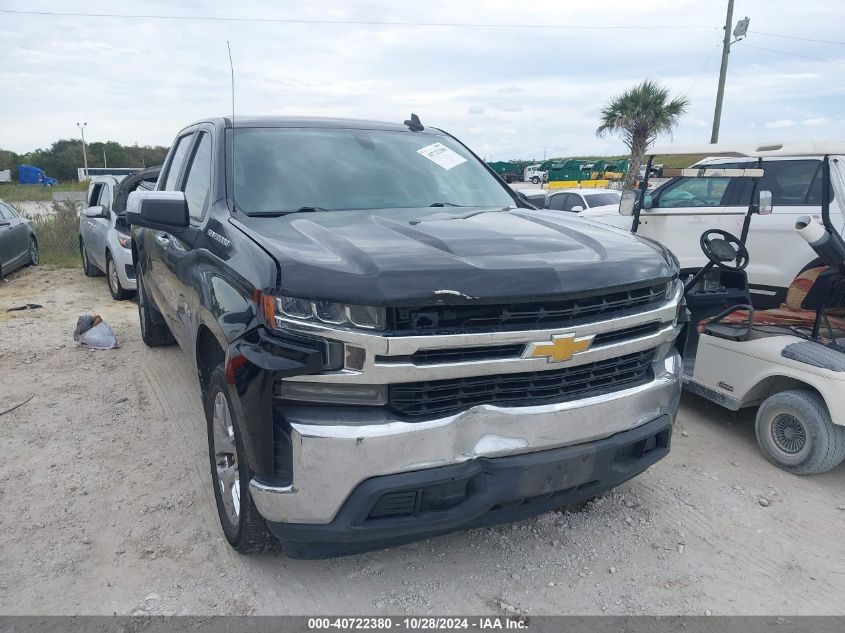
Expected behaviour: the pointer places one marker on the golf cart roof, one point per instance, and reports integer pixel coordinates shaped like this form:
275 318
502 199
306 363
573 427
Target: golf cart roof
787 148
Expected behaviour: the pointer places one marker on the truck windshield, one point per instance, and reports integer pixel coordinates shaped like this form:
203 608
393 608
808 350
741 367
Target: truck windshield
279 170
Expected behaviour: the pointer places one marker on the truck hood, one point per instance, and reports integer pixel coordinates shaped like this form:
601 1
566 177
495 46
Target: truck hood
430 256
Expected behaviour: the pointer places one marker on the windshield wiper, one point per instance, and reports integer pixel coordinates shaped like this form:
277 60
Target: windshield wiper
444 204
275 214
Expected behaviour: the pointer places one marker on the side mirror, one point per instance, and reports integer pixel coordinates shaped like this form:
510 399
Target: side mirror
162 210
648 201
94 212
577 208
627 202
764 204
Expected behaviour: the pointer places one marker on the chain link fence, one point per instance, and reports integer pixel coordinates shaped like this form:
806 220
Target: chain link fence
55 218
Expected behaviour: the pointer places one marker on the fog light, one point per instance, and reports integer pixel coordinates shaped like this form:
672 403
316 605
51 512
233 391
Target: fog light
355 357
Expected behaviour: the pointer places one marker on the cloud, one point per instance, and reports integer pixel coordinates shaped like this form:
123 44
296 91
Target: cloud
780 123
505 92
817 120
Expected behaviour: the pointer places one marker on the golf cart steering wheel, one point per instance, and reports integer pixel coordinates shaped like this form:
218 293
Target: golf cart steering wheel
721 247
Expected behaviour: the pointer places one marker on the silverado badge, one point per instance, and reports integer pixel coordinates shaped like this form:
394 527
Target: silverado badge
562 348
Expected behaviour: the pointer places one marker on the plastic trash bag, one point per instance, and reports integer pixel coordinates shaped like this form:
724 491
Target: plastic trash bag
91 331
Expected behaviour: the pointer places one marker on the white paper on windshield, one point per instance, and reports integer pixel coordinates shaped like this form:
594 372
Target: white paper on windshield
442 155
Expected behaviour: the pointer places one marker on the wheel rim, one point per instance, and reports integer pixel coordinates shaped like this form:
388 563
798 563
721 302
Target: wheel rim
114 282
788 434
33 251
226 458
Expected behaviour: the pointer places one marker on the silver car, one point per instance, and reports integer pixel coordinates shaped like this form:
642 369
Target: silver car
104 241
18 245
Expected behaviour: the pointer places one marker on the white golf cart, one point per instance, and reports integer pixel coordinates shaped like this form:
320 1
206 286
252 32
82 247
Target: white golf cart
788 361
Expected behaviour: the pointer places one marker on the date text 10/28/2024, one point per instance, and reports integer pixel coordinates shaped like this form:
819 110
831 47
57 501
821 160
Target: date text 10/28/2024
481 623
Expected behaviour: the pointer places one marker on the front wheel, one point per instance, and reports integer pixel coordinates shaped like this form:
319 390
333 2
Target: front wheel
118 292
244 528
795 432
535 180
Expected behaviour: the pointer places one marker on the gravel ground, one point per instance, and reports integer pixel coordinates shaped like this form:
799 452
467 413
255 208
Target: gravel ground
107 507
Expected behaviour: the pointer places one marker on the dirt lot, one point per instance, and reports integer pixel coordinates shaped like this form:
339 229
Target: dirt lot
107 507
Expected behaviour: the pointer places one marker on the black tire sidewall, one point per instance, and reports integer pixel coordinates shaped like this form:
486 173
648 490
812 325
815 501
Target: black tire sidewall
234 534
33 261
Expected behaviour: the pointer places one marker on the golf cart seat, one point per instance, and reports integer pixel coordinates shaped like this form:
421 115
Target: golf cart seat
736 323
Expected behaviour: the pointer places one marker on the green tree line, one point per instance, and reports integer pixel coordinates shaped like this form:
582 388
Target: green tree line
63 157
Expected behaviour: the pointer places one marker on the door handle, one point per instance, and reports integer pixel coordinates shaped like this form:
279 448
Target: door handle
163 240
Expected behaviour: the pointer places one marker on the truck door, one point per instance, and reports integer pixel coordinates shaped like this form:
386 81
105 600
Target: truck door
157 243
681 211
777 253
177 257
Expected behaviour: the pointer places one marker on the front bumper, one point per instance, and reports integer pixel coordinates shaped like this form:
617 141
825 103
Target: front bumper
331 459
394 509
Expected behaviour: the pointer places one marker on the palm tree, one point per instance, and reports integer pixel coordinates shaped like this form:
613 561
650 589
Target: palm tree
639 116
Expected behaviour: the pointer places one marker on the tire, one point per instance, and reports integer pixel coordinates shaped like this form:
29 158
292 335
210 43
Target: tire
154 330
118 293
88 267
535 180
244 528
34 256
795 433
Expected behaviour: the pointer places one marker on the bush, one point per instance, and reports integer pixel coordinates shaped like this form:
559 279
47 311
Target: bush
57 233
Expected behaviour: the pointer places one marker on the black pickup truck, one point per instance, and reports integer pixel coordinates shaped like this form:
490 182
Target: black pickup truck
389 342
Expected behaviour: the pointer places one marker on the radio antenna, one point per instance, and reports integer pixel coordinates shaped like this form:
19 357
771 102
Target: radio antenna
232 73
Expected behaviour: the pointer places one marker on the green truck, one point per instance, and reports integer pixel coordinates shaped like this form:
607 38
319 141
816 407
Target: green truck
510 171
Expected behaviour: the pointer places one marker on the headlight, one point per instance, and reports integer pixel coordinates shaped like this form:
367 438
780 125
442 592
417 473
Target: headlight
125 241
331 313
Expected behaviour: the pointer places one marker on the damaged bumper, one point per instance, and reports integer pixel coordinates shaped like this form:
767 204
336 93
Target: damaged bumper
333 459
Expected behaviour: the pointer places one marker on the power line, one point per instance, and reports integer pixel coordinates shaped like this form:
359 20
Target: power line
211 18
703 66
796 37
772 50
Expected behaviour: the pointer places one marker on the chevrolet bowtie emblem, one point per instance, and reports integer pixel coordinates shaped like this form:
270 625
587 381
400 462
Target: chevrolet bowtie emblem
562 348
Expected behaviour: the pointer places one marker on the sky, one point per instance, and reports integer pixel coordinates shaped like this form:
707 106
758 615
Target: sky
506 92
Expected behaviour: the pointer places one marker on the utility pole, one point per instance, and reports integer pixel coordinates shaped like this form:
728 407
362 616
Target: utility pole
739 32
544 153
84 151
105 162
723 71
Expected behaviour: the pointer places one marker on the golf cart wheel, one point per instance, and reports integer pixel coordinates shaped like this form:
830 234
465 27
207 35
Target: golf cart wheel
795 432
244 528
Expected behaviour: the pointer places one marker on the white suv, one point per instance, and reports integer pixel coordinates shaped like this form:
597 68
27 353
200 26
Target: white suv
678 211
104 241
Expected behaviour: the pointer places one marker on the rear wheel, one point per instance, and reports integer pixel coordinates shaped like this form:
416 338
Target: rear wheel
88 266
795 432
33 251
118 293
154 330
244 528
